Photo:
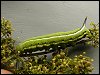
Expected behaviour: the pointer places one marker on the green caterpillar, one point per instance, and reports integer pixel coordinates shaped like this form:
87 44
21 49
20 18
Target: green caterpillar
55 40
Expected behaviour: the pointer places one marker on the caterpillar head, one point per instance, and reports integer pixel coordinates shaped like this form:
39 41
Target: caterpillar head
19 48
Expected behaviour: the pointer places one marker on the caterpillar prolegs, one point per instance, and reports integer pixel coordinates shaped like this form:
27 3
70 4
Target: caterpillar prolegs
54 41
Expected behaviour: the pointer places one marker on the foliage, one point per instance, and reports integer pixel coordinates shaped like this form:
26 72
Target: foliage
7 43
60 63
95 34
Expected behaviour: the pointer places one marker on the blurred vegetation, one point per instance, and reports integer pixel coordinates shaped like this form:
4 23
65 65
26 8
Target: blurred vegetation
60 63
